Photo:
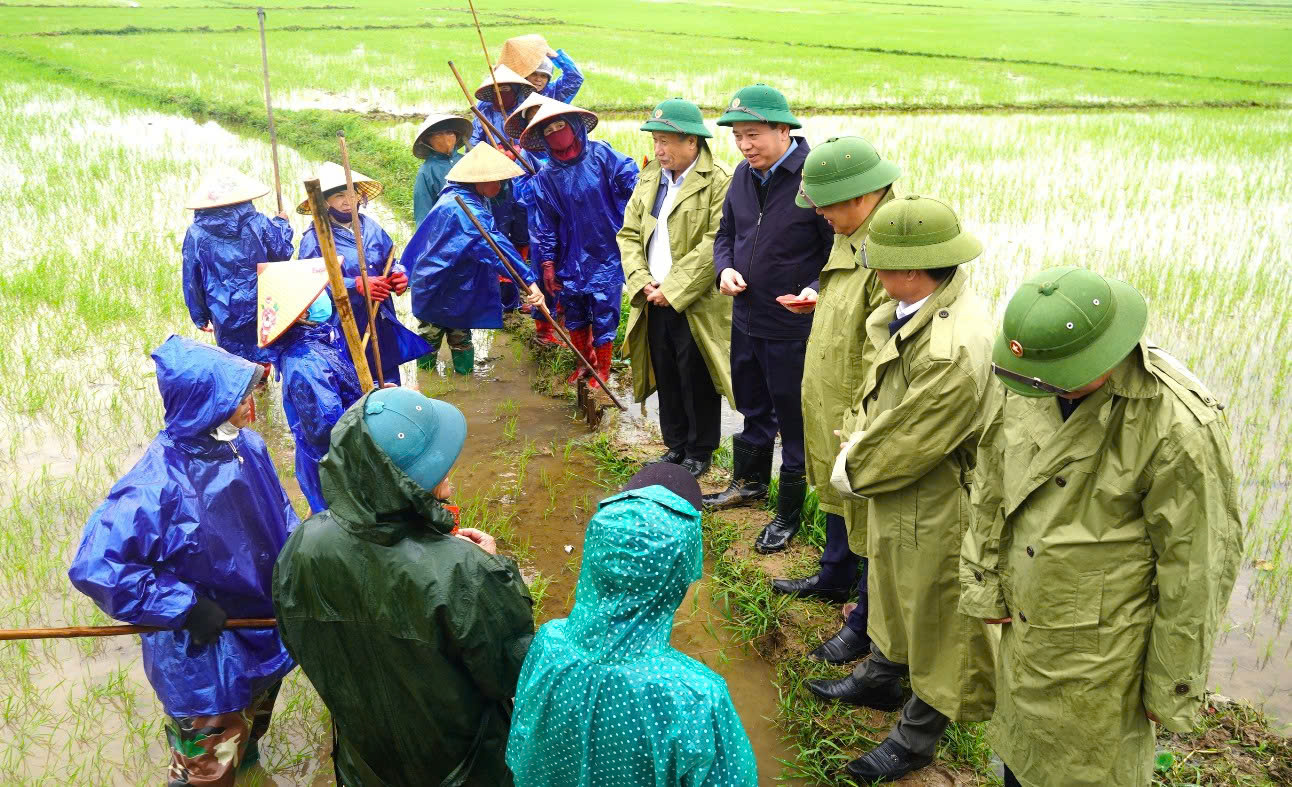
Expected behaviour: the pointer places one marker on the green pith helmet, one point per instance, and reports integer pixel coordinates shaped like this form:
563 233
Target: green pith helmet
843 168
917 233
1065 327
678 116
759 104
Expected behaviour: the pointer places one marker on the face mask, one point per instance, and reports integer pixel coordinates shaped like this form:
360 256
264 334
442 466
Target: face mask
563 144
225 432
338 216
320 310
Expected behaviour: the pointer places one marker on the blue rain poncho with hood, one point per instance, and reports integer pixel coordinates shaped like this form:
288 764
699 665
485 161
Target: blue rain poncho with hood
221 250
196 516
602 697
319 385
398 344
454 271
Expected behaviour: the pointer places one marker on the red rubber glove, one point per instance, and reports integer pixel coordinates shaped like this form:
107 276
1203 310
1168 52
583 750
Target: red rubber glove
378 285
549 277
506 152
398 282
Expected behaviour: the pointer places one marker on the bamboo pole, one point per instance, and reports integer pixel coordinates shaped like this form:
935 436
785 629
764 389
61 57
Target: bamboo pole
498 137
560 330
363 264
390 261
497 92
341 298
269 107
70 632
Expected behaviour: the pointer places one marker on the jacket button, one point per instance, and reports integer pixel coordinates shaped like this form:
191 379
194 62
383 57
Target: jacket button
944 314
977 575
1021 616
1181 688
1061 481
1031 552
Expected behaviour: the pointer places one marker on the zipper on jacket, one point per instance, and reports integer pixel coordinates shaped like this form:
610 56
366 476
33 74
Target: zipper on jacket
753 249
237 455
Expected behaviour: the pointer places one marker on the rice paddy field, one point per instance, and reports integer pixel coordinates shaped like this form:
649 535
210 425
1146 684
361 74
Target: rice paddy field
1151 141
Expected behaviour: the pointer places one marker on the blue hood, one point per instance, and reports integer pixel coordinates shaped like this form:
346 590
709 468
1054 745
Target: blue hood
580 133
201 385
225 221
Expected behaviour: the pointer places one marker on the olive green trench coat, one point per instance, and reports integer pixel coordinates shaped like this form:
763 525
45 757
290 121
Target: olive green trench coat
911 452
1113 540
689 286
835 367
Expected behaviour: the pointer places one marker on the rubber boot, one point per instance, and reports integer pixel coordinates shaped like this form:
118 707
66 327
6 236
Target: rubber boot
545 333
751 472
789 514
604 356
582 340
464 361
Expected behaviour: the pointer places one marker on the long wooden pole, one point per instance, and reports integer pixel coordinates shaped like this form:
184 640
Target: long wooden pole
69 632
363 264
497 92
340 298
390 261
497 137
516 277
269 107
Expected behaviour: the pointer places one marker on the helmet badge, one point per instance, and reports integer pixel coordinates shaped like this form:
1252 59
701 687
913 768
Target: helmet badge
1016 348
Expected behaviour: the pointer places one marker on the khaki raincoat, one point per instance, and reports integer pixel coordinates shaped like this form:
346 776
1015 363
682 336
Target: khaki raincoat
911 452
1113 540
834 368
689 285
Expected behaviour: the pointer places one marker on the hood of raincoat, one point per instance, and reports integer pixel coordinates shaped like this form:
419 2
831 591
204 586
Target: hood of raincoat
225 221
580 138
201 386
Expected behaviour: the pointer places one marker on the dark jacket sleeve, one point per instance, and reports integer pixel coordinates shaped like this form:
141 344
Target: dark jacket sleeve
494 626
724 241
424 195
827 242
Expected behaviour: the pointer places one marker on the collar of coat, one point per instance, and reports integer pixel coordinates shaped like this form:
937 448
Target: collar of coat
877 323
841 262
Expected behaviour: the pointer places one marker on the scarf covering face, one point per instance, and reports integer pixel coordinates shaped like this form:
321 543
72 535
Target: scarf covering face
564 144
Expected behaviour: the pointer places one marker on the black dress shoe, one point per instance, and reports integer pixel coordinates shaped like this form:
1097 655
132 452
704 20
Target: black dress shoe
887 762
842 648
670 457
810 587
859 691
696 467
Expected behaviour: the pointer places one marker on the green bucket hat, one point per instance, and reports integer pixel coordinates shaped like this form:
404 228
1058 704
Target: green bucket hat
917 233
678 116
1063 328
843 168
759 104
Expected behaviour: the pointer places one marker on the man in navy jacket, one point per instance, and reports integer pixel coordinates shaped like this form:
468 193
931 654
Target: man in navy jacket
768 250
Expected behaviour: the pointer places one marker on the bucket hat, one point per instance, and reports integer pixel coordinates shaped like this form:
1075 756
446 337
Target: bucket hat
524 54
225 187
1063 328
482 164
284 292
532 137
679 116
422 436
759 104
332 176
515 124
458 125
917 233
840 169
505 76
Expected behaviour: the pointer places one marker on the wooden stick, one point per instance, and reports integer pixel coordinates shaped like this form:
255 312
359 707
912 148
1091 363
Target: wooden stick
516 278
269 107
70 632
491 131
341 298
497 92
363 265
471 103
390 261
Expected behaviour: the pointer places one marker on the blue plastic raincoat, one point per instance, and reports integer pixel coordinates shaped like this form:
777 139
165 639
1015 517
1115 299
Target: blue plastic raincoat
194 516
398 344
455 274
319 384
571 79
221 251
602 698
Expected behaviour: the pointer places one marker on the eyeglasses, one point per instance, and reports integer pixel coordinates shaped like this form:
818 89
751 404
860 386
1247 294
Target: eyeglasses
1031 382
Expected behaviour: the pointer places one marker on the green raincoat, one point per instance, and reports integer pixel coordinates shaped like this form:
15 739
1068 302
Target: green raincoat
603 699
835 367
912 453
689 285
1113 540
412 637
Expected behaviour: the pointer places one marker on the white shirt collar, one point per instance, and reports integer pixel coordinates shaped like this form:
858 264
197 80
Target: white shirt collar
904 309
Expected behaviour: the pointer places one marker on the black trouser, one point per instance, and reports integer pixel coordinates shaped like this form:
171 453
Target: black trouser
767 378
1010 779
920 726
690 409
839 569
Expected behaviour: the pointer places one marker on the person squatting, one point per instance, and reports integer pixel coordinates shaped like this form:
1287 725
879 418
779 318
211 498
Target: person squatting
1032 522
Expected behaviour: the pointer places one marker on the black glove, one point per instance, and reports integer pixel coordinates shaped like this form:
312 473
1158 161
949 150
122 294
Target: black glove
205 621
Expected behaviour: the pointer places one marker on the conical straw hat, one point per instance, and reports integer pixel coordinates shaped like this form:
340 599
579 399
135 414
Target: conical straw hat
482 164
505 76
284 292
459 125
332 176
519 118
225 187
532 137
524 54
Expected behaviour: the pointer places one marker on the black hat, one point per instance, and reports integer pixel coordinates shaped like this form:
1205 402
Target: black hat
670 476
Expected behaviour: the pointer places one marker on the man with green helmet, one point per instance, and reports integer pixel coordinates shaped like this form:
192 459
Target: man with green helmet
909 454
1106 539
768 251
679 330
845 181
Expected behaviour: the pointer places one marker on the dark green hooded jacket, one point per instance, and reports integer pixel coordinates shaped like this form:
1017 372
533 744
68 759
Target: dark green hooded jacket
414 638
